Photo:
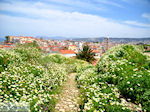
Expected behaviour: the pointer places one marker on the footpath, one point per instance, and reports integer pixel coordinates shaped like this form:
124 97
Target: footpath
68 98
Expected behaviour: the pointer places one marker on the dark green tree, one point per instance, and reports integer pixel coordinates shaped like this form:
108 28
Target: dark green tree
7 39
86 54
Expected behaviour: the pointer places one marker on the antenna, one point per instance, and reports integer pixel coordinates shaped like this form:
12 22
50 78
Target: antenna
106 43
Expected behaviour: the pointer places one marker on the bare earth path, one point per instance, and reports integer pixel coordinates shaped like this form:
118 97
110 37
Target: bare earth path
68 99
147 54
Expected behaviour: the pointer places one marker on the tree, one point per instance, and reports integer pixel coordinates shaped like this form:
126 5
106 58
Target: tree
7 39
86 54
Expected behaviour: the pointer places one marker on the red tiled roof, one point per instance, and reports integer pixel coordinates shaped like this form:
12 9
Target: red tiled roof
54 49
94 47
67 52
95 51
43 47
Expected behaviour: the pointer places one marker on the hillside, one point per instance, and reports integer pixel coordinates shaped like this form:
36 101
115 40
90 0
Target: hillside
121 77
28 77
120 82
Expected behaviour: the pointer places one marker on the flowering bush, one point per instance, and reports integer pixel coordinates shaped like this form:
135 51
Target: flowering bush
97 95
29 53
72 65
25 77
122 70
32 84
128 68
8 57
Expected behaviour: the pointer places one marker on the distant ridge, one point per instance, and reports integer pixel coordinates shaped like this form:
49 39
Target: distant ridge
113 39
2 39
53 37
145 40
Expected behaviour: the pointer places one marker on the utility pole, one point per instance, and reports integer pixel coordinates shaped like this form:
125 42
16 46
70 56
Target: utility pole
105 46
106 43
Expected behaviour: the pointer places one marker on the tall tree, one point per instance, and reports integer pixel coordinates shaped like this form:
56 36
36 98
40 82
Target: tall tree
86 54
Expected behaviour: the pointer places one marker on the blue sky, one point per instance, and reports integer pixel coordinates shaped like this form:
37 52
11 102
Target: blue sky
75 18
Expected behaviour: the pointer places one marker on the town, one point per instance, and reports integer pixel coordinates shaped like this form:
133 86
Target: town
68 48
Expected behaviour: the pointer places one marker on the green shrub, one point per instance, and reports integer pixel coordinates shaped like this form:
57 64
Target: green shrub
122 70
128 68
26 77
8 57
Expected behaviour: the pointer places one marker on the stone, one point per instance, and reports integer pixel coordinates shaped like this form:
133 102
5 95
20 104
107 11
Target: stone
62 110
71 106
69 96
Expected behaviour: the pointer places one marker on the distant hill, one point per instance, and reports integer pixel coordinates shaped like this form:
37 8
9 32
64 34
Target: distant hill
100 39
53 37
117 40
2 39
58 38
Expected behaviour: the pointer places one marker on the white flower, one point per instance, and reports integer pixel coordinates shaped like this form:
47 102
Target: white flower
128 82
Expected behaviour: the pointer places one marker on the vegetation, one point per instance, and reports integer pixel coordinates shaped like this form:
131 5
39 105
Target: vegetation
123 70
86 54
146 47
29 76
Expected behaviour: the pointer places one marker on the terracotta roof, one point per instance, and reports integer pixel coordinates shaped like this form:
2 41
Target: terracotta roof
55 49
95 51
67 52
94 47
43 47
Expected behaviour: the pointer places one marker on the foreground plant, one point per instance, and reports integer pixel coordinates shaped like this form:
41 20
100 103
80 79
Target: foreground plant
27 75
123 70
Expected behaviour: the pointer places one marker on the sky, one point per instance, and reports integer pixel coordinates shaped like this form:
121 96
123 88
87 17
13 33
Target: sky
75 18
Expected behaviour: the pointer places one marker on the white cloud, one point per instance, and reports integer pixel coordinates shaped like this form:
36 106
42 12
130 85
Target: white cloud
80 4
52 22
137 24
146 15
143 2
108 2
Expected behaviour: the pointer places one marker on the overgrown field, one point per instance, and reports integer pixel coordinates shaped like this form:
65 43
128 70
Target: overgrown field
29 76
122 73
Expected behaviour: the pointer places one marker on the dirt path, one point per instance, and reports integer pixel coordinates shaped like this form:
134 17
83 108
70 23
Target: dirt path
147 54
68 99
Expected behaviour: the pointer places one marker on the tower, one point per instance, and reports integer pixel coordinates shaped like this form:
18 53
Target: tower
106 43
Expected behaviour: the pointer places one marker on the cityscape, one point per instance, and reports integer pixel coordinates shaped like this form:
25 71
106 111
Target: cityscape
74 55
70 47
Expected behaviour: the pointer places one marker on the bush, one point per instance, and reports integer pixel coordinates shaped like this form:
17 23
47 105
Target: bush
25 77
122 70
8 57
97 95
127 68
